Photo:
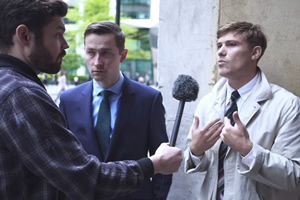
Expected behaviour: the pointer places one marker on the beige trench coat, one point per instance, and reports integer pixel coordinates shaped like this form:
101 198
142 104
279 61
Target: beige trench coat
273 122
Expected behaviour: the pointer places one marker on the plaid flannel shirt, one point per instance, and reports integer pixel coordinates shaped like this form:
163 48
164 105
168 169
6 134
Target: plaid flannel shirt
39 158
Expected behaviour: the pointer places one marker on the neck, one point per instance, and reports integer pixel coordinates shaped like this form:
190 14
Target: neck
240 81
19 66
19 53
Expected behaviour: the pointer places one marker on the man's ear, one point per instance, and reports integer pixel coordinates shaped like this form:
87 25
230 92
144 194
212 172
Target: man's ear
23 35
123 55
256 53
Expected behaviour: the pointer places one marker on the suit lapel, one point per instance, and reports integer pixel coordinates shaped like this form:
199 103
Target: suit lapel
220 95
124 108
246 114
86 109
261 92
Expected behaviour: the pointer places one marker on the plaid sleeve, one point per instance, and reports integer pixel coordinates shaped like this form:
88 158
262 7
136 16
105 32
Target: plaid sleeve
35 130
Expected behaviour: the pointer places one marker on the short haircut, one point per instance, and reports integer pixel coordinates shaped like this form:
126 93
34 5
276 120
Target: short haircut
107 27
35 14
252 33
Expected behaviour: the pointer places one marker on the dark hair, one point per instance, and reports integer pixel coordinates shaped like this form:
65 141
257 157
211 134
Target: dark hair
107 27
35 14
253 34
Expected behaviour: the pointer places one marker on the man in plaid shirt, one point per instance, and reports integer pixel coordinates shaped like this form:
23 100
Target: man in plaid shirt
39 158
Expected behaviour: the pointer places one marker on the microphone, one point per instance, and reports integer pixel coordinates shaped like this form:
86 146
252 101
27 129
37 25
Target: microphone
185 89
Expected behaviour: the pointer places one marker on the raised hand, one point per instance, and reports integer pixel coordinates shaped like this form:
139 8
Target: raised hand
204 139
237 137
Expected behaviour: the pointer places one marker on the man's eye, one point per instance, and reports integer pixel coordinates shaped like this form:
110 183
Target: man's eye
90 53
105 53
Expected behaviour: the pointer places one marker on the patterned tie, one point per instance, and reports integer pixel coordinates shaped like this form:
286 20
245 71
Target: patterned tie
223 148
103 123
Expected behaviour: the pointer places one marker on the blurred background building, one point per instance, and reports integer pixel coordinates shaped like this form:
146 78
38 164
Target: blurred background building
141 15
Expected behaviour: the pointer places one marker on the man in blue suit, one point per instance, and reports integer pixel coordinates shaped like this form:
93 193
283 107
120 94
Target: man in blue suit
137 123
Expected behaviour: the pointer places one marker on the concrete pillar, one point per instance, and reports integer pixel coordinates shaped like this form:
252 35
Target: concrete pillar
186 45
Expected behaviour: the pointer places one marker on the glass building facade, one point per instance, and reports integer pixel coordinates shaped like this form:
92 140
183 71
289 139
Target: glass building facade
135 9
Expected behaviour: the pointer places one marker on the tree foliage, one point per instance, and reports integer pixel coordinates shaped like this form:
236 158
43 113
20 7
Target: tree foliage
137 43
72 61
83 15
79 19
98 10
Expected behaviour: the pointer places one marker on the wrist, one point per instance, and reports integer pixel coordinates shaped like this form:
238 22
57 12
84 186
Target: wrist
196 152
156 163
247 149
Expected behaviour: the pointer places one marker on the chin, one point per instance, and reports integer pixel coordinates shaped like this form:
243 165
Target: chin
223 72
97 76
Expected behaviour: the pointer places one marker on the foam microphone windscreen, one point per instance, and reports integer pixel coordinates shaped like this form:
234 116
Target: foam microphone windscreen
185 88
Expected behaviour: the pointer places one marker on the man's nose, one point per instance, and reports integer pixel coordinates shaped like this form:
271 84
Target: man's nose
222 51
65 44
98 60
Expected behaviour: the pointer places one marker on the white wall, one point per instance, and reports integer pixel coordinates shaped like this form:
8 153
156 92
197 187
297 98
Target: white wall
186 45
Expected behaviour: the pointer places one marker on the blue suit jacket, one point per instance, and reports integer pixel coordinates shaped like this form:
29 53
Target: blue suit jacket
139 128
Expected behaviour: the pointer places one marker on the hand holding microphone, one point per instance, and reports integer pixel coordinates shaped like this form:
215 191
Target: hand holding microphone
185 90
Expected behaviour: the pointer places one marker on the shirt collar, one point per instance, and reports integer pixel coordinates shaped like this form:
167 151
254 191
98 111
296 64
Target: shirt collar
243 91
116 88
20 67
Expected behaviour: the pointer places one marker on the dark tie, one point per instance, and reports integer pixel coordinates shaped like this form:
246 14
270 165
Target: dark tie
103 123
223 148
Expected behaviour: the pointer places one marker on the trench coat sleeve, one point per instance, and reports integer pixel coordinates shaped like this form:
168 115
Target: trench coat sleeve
279 167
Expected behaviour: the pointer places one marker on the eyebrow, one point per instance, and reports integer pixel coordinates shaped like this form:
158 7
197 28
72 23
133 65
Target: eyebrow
229 41
101 49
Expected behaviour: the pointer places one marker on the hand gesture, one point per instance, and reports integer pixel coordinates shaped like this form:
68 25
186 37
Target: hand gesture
236 137
204 139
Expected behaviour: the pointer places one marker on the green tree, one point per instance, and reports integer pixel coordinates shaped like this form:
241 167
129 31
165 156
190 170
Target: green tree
72 61
137 43
95 10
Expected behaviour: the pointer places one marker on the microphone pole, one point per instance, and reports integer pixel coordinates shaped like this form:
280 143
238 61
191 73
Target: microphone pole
185 89
177 123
